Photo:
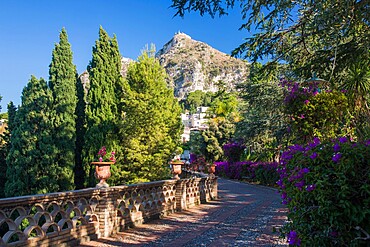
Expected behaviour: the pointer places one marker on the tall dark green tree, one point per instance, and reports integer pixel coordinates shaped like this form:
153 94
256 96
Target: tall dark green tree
3 152
103 99
62 82
80 133
263 125
30 167
5 146
152 123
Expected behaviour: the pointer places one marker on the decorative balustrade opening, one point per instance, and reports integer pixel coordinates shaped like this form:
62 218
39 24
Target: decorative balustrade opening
73 217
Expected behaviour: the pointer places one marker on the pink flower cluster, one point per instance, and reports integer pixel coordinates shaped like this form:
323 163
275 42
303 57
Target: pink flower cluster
102 155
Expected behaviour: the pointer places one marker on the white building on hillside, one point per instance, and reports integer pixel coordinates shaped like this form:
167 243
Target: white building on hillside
196 121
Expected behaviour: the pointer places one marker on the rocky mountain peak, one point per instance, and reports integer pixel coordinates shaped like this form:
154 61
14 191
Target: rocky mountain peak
193 65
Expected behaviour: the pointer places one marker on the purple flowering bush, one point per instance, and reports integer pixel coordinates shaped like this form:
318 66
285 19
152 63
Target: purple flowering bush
233 170
233 151
258 172
262 172
326 187
314 111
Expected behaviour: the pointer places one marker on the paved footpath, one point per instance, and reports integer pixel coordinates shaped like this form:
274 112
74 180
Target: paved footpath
244 215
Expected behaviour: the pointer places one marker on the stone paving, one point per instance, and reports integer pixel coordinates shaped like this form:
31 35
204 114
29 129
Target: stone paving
244 215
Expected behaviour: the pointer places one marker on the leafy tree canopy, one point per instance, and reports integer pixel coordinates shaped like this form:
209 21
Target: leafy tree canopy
196 99
151 130
311 36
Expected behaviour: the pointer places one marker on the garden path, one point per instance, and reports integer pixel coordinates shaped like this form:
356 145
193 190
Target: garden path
244 215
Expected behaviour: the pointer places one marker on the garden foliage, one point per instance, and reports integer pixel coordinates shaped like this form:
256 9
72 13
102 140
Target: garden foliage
152 124
316 112
103 100
322 36
253 171
30 162
62 83
326 187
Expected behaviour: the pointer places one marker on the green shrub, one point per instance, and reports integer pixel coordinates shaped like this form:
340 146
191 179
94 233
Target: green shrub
327 189
314 112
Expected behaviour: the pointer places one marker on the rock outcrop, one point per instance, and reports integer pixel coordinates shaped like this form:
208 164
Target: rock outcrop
193 65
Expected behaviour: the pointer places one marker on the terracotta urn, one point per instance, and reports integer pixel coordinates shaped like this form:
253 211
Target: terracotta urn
195 168
176 168
211 169
102 172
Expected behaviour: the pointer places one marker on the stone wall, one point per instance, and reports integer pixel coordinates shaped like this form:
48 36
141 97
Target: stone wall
73 217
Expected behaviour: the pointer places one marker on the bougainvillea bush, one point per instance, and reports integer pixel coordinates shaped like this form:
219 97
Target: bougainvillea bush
233 151
233 170
316 112
263 173
326 187
259 172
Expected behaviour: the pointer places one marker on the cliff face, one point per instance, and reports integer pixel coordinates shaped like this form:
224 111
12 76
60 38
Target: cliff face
193 65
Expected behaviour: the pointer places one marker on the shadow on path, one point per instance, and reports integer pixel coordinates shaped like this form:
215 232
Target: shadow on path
244 215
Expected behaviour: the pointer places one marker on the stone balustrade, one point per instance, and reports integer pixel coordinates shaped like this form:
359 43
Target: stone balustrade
73 217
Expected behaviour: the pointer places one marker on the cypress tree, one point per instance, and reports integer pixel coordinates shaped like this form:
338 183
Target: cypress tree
152 122
62 82
12 111
5 146
105 90
80 132
4 143
30 167
2 161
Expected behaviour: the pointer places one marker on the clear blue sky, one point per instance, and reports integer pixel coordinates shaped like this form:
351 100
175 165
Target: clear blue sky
30 28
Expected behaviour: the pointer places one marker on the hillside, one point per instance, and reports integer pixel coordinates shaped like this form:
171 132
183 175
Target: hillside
194 65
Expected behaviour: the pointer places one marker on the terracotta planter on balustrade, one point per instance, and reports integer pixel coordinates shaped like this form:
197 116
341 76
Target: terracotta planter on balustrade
102 172
211 169
176 168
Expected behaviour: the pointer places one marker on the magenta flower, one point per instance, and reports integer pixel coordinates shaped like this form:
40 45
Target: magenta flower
306 102
311 187
102 151
343 139
300 184
305 170
102 155
293 238
336 147
313 155
337 157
